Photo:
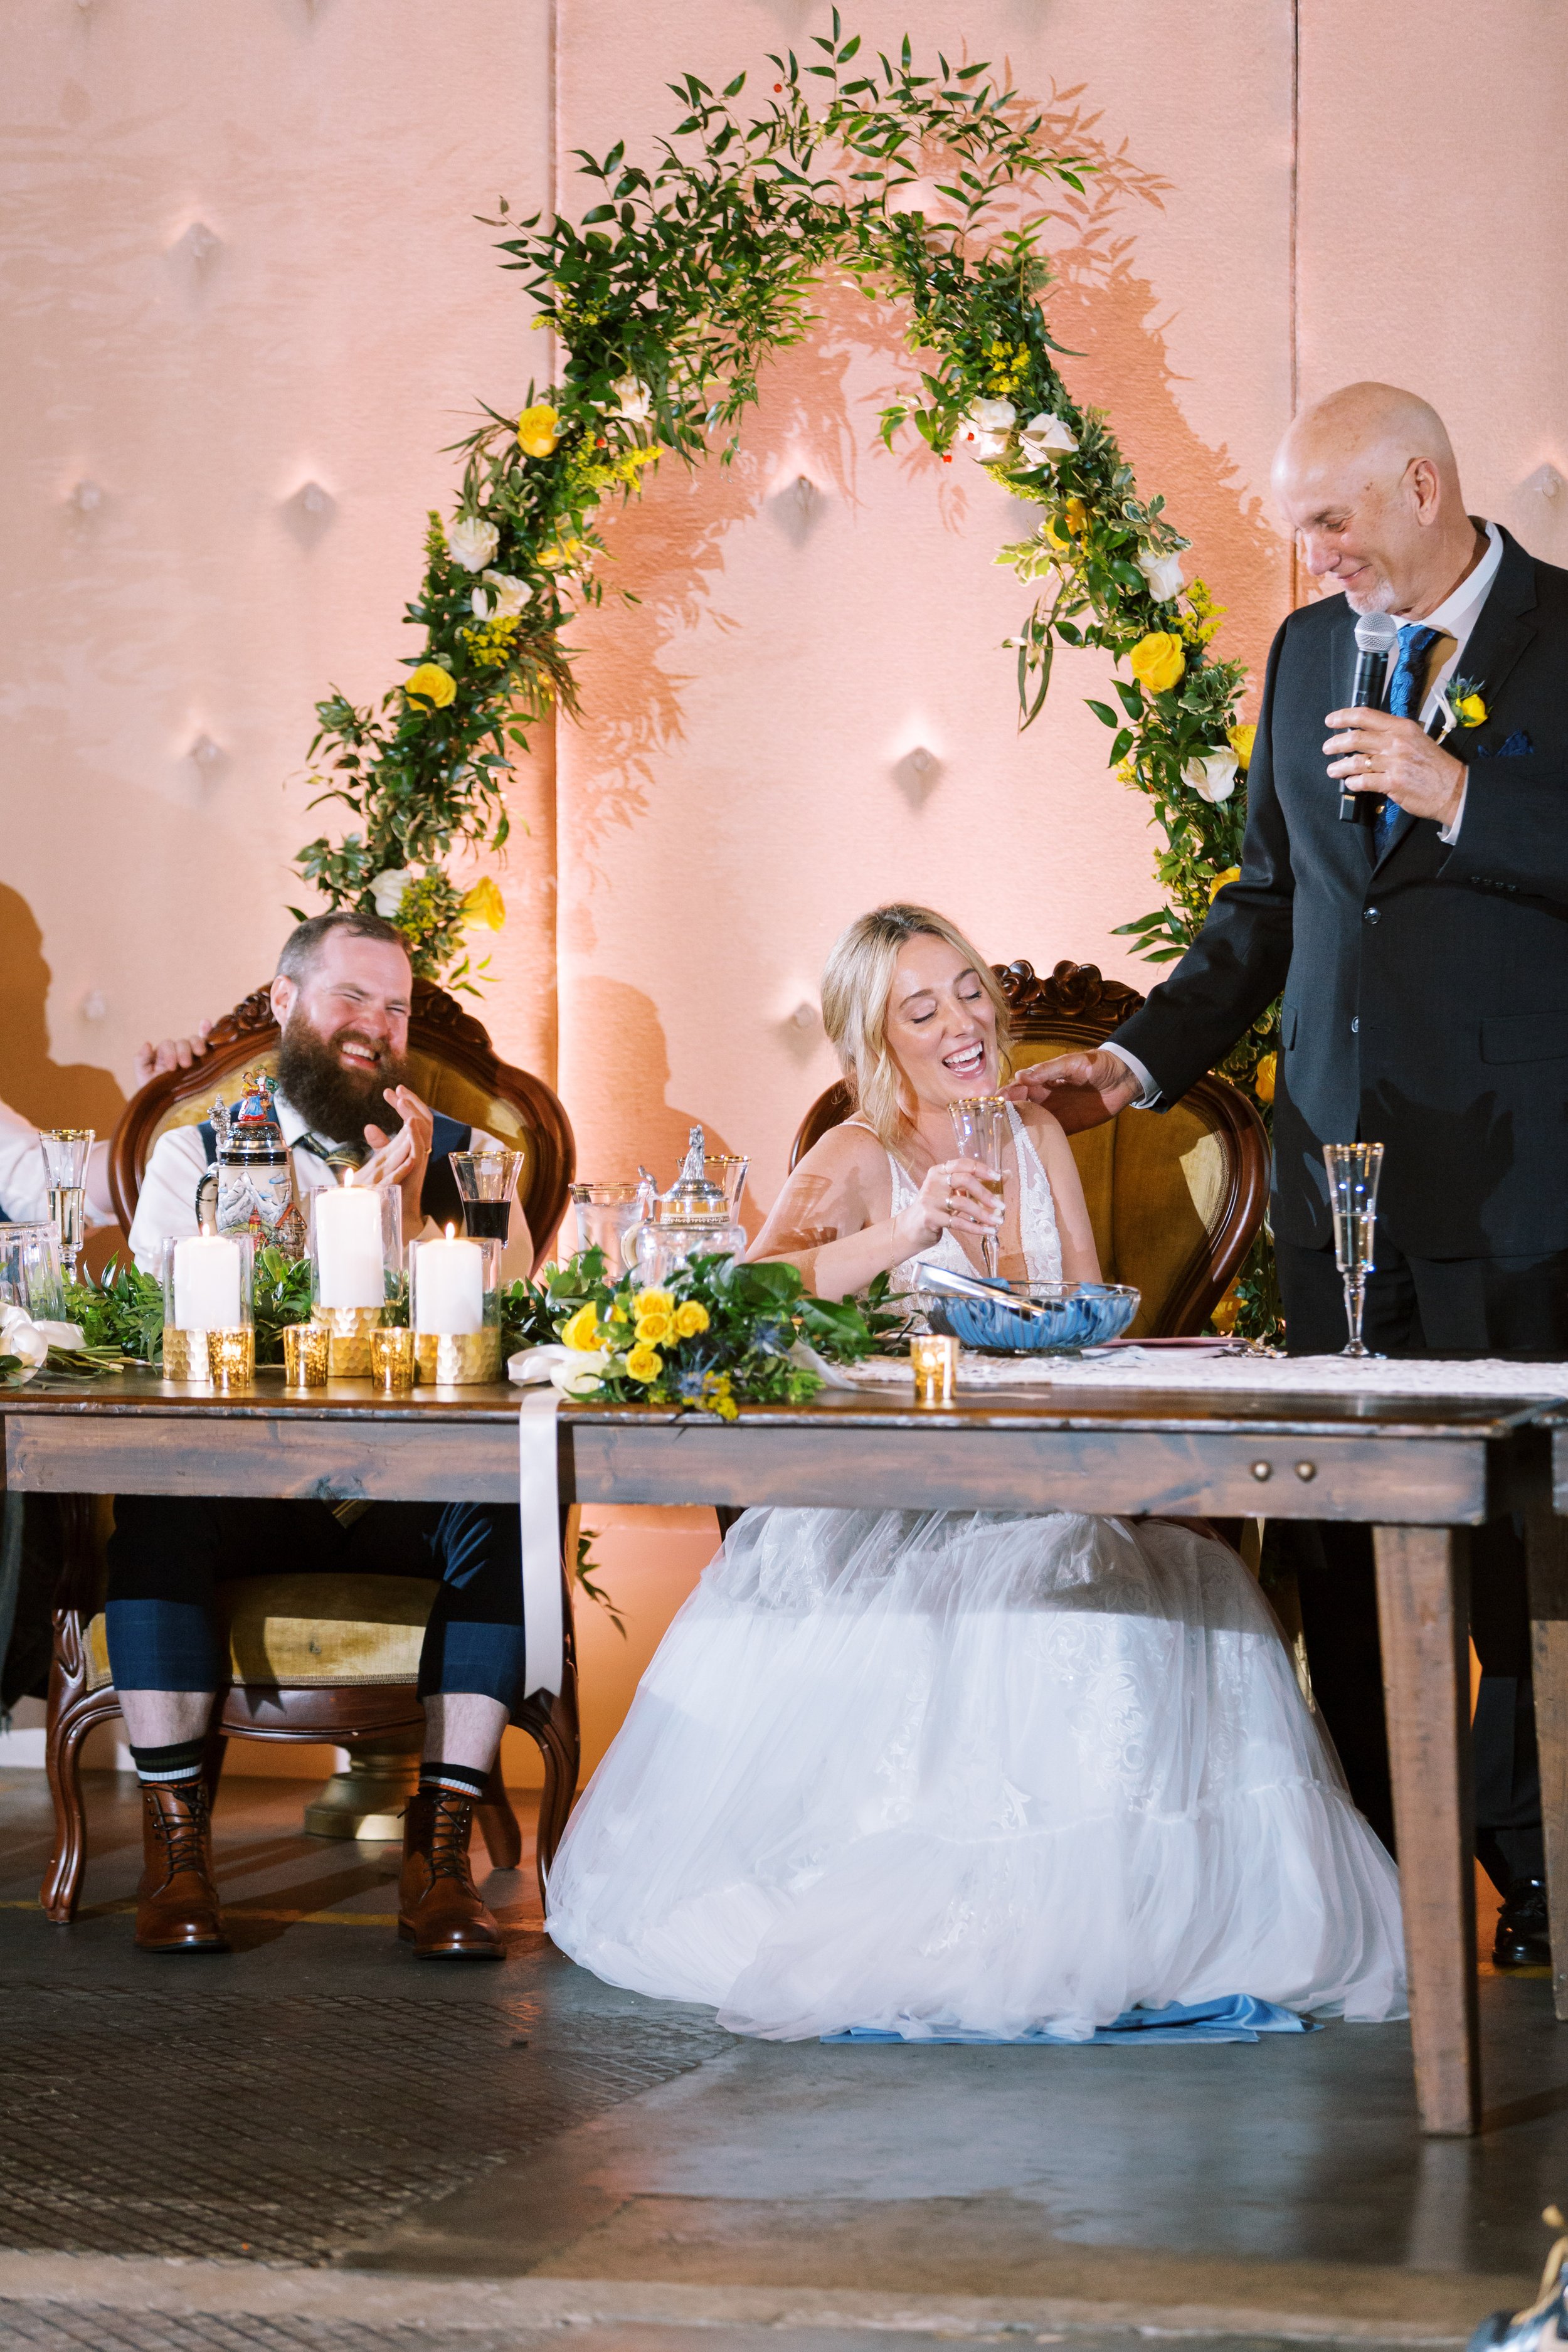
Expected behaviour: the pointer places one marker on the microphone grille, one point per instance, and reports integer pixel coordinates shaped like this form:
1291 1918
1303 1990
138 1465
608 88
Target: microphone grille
1376 633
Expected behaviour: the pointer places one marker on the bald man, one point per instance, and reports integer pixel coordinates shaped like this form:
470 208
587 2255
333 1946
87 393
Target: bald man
1424 967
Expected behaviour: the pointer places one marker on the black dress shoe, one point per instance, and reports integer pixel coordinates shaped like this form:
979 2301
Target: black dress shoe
1523 1934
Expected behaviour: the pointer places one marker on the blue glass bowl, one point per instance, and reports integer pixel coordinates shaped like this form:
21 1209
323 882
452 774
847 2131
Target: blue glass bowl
1078 1315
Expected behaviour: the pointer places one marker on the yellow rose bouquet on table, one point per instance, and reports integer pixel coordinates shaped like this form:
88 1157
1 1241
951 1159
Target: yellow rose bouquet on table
720 1335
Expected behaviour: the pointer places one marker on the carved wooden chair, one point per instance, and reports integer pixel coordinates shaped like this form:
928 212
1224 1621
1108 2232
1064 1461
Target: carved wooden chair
1176 1197
318 1658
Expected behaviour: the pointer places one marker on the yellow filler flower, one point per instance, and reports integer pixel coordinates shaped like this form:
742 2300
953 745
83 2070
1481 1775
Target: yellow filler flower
432 684
1158 661
538 430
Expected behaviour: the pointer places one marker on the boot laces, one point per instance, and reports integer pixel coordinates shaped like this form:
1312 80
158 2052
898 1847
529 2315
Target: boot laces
450 1836
183 1833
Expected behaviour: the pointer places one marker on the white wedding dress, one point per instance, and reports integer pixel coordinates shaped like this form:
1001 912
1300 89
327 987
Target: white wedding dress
975 1772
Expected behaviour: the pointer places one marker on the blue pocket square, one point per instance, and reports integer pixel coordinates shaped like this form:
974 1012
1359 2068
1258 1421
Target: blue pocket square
1517 745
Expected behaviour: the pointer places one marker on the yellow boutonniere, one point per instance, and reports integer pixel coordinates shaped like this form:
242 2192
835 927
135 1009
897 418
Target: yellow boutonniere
1463 698
1158 661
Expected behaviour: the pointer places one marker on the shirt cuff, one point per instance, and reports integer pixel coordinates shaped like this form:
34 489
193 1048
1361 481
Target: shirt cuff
1150 1097
1448 834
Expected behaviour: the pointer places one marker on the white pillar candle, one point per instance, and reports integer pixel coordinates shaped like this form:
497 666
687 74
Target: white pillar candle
349 1263
206 1284
449 1288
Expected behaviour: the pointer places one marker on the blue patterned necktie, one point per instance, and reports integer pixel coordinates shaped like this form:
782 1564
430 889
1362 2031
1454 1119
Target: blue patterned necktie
1406 695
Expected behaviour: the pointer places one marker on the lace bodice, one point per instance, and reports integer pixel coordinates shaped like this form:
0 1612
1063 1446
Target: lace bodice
1038 1237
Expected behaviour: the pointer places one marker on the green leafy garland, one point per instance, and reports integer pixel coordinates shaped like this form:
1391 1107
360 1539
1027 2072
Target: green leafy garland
663 300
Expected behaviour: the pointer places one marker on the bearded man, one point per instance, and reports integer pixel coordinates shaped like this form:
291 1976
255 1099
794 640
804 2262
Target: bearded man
341 997
1423 962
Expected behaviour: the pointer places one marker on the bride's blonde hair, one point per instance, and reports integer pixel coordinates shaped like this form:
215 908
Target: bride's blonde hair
855 987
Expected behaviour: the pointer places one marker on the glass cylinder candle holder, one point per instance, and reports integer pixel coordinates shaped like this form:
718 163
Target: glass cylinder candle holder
391 1359
933 1360
231 1356
206 1289
454 1308
356 1264
30 1271
307 1356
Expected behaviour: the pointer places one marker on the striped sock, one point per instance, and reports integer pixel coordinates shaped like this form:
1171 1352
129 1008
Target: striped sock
160 1766
462 1779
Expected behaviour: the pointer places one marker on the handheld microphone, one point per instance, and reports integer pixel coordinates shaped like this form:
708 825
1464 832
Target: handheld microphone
1375 637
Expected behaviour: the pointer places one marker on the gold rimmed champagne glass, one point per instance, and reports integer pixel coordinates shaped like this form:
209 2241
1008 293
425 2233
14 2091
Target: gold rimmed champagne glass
980 1125
66 1151
1354 1169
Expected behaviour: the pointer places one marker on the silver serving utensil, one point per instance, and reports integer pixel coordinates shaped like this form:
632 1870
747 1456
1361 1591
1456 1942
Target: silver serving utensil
944 1282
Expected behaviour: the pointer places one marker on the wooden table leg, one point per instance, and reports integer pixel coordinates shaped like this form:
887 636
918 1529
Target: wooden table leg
1422 1607
1546 1546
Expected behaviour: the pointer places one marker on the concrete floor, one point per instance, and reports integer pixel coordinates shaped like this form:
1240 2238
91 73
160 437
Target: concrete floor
319 2134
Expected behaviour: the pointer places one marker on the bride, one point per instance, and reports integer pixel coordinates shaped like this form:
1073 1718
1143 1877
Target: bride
977 1772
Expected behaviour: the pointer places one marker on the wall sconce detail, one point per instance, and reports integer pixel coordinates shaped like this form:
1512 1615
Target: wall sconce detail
198 244
916 774
1547 480
85 496
207 755
93 1005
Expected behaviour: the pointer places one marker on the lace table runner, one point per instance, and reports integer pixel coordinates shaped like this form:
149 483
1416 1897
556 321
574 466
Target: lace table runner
1157 1368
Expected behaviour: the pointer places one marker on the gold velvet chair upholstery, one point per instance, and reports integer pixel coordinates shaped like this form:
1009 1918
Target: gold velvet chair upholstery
1176 1197
316 1658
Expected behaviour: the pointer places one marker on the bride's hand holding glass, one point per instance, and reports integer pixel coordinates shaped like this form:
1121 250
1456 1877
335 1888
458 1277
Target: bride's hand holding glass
952 1199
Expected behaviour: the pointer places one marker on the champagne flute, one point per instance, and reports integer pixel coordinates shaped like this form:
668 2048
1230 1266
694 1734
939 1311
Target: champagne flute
980 1123
1354 1169
65 1151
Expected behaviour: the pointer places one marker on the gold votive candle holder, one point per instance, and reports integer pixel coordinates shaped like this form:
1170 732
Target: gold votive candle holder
933 1360
187 1355
458 1359
306 1355
392 1360
233 1356
350 1330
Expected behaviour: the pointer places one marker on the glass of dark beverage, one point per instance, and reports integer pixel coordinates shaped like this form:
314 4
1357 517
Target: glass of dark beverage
486 1181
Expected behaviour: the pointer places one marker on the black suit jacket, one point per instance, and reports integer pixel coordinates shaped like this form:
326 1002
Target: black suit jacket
1425 994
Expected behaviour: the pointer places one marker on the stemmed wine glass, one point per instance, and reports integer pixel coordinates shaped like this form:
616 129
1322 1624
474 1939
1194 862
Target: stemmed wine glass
65 1151
980 1123
1354 1169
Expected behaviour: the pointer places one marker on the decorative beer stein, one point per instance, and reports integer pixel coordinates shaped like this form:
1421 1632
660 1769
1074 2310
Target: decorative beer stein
250 1186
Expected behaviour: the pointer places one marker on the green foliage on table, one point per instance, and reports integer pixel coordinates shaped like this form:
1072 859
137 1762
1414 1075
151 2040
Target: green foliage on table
280 1295
719 1334
122 1309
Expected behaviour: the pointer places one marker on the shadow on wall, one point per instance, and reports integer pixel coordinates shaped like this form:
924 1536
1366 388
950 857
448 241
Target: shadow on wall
629 1121
49 1093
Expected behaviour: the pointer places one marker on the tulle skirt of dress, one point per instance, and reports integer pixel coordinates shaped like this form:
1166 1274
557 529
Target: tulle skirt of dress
977 1770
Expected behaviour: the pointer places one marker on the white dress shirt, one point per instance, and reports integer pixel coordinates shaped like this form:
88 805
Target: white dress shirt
166 1206
25 1185
1455 618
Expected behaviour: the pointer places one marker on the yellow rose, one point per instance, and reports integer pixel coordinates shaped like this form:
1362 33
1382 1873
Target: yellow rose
1264 1076
430 682
652 1328
618 1313
484 904
1227 1312
644 1364
1241 743
1471 712
538 430
1231 874
582 1331
1158 661
690 1319
653 1302
560 554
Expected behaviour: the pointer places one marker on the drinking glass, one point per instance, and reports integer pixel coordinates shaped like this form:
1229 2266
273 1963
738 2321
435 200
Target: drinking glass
1353 1172
30 1271
485 1183
980 1123
65 1151
728 1171
605 1214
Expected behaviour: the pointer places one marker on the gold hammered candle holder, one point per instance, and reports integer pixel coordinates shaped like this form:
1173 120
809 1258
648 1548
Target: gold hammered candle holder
233 1357
187 1355
349 1331
392 1360
933 1360
306 1355
458 1359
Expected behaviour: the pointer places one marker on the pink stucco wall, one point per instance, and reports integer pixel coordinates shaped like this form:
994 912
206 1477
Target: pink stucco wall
240 258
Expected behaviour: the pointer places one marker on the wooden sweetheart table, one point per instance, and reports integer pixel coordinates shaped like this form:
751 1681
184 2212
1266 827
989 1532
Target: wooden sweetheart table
1421 1471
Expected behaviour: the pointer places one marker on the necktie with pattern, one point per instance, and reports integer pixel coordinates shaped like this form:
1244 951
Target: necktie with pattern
1406 693
337 1155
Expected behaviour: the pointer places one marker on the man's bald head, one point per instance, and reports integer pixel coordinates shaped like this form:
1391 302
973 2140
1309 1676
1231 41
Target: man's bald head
1368 479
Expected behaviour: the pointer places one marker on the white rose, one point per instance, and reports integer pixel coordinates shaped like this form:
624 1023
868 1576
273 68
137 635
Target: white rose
984 448
1212 777
20 1336
473 542
1163 573
581 1374
635 399
500 595
388 890
993 415
1045 436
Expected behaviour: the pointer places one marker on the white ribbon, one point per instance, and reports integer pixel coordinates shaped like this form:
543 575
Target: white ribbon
539 1503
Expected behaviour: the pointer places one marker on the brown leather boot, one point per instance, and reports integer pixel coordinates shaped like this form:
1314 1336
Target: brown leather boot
176 1903
438 1906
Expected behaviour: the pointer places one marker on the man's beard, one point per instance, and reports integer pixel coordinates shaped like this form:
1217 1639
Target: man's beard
338 1103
